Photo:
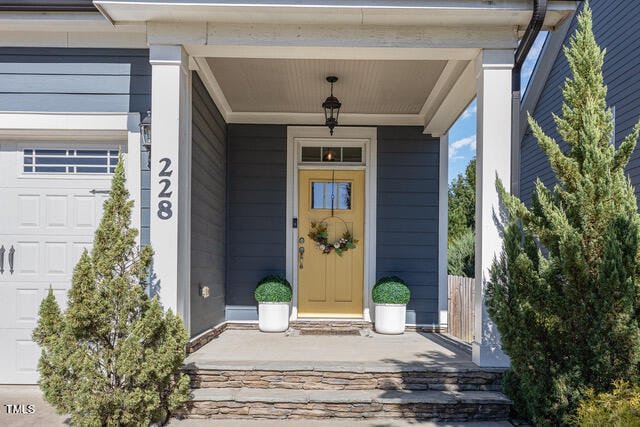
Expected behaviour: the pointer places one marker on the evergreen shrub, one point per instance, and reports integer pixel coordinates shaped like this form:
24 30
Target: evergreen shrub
620 408
273 289
564 292
113 358
390 290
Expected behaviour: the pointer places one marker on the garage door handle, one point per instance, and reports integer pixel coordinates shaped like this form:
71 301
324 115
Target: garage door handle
11 254
2 259
94 191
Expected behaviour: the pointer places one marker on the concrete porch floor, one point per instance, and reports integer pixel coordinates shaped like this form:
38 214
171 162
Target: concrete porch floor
250 349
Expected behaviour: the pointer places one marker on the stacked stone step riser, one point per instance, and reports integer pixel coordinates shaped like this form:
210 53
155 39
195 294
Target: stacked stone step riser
319 410
328 380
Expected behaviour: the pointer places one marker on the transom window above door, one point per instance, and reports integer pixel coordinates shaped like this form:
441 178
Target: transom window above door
320 154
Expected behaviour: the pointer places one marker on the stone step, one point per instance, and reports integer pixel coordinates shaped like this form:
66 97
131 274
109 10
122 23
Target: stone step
343 376
347 404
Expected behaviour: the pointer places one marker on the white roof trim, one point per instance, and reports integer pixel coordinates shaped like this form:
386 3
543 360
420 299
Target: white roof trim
107 126
346 12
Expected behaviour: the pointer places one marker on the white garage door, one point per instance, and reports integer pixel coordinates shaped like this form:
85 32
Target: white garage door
51 197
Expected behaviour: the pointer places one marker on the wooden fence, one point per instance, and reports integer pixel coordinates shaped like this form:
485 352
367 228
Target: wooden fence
461 307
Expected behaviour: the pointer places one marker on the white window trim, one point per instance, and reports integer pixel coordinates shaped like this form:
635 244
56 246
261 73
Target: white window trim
117 129
305 135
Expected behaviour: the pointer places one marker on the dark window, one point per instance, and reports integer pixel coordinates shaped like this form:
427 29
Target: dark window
70 161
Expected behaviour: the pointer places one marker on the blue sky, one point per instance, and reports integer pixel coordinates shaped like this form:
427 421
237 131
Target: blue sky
462 136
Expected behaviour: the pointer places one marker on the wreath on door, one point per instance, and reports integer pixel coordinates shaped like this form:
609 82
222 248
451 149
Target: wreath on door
320 235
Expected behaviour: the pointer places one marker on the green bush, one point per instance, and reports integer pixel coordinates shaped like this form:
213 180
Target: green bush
391 290
113 357
564 292
273 289
462 254
620 408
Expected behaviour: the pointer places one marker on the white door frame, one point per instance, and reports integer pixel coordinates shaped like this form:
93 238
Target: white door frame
367 137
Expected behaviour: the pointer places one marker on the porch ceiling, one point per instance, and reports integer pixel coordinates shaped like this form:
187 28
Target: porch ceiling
299 85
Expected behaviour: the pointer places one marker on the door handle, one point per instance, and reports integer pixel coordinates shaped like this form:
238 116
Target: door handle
2 250
301 255
12 252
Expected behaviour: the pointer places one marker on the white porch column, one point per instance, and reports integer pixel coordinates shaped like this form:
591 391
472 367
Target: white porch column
171 176
493 158
443 232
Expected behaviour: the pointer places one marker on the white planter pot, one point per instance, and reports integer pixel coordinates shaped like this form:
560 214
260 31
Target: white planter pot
273 316
390 318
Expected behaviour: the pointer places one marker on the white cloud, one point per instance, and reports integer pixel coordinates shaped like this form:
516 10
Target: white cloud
456 146
469 112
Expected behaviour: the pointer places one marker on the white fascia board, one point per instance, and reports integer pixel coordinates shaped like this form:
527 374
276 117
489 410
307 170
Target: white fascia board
455 102
54 125
371 12
77 121
360 36
333 52
200 35
449 76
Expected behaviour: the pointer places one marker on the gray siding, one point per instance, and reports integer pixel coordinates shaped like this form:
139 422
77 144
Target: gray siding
257 194
48 5
208 210
80 80
75 80
407 227
615 28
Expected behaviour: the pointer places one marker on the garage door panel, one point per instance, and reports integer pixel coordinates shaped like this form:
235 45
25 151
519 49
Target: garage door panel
22 301
52 213
27 261
57 212
28 214
48 220
19 358
84 209
56 258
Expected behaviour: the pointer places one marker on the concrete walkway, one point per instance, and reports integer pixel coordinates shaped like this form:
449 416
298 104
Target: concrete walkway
41 413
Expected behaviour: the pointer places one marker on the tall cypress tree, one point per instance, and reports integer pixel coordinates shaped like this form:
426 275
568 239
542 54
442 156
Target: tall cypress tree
113 357
564 292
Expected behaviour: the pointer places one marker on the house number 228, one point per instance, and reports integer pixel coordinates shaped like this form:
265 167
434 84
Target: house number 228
164 205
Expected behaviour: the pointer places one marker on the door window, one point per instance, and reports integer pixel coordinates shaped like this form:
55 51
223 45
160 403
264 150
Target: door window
331 195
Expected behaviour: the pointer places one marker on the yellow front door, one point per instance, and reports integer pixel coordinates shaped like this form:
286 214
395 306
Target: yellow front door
330 285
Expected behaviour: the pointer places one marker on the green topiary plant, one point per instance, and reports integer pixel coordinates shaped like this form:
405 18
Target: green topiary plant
390 290
273 289
113 358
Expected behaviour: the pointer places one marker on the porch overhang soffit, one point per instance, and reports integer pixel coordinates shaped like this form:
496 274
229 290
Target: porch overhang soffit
400 62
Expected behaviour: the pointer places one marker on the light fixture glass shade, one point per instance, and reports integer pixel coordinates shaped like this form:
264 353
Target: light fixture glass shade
331 107
145 131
